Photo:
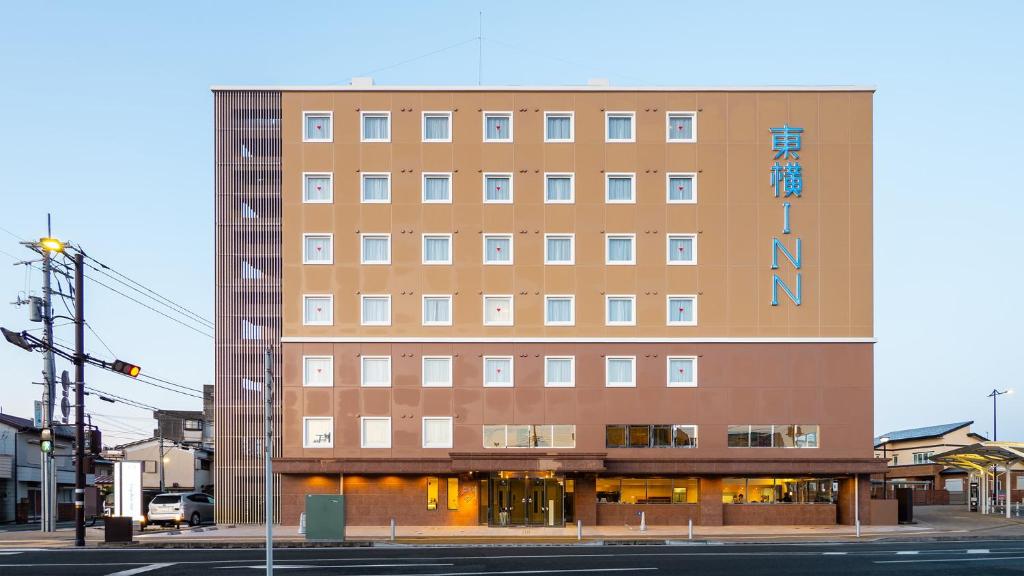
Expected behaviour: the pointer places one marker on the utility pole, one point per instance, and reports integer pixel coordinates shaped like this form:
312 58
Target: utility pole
46 470
79 399
160 460
268 437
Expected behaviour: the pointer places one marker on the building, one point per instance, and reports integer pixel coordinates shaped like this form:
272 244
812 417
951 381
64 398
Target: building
185 467
20 488
537 305
190 427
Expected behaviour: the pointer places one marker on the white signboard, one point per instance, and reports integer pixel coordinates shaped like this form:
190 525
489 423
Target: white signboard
128 489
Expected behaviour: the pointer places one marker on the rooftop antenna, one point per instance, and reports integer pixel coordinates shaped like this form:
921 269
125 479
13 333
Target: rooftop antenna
480 55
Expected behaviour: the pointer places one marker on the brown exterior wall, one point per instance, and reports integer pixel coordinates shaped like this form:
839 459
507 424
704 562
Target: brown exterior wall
295 487
778 514
656 514
884 512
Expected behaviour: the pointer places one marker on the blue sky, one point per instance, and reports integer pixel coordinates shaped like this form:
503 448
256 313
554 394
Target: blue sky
108 125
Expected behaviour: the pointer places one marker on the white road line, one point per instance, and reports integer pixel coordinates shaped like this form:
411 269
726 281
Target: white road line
295 566
977 551
833 553
986 559
141 569
906 552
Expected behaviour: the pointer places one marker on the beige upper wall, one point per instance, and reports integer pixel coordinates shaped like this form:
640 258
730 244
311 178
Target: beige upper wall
903 450
736 215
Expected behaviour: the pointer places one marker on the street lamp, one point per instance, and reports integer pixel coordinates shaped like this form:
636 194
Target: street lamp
885 475
994 394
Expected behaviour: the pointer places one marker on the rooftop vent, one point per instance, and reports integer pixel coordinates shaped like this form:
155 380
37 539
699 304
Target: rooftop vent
362 81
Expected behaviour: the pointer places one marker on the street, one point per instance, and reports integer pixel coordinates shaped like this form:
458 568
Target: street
905 559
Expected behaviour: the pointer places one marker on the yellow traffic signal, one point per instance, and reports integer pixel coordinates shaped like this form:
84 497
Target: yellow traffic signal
125 368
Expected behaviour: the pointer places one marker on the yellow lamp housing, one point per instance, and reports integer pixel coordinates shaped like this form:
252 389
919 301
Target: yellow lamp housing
52 245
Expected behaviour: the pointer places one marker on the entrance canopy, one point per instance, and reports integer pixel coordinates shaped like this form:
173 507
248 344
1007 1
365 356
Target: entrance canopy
983 456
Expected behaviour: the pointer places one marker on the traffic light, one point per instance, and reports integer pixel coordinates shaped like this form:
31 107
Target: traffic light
46 440
125 368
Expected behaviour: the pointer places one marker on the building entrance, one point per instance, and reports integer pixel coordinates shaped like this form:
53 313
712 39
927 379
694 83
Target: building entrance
519 499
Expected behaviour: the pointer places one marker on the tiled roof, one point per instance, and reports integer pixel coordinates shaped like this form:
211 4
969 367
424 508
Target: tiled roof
15 421
925 432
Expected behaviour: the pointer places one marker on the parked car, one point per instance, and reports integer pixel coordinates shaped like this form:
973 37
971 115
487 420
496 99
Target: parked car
173 508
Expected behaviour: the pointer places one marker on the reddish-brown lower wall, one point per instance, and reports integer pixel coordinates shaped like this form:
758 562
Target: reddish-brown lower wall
294 489
778 514
884 512
375 500
656 514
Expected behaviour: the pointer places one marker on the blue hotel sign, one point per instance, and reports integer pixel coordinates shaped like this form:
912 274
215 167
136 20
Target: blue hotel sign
788 184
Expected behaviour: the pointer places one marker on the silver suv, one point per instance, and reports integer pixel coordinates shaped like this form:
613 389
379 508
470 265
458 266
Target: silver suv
173 508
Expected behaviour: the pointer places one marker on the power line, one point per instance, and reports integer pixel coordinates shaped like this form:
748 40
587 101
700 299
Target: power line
89 326
420 57
149 293
144 305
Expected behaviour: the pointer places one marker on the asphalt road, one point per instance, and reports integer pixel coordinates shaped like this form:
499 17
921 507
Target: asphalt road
907 559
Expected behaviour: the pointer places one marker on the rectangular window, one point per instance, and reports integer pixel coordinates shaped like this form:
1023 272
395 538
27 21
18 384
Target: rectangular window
739 436
437 432
437 371
519 435
682 371
376 249
620 249
376 188
619 189
437 188
149 466
316 126
681 249
453 493
529 436
615 436
376 310
437 248
619 127
376 126
317 188
620 310
498 310
806 436
437 310
620 371
498 371
682 310
318 432
559 371
437 126
494 436
375 432
318 310
682 189
497 249
558 126
639 436
375 371
684 436
681 127
923 457
614 490
317 248
497 188
317 371
559 249
761 436
559 188
497 126
432 491
563 436
559 310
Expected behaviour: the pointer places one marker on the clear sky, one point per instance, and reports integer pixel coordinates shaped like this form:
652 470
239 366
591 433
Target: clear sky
108 125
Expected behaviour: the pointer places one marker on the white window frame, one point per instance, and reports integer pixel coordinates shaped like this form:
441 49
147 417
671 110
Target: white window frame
668 371
483 189
668 249
423 309
423 371
362 431
572 372
572 249
632 187
362 305
607 309
572 125
362 371
668 187
306 114
362 187
423 131
511 249
362 125
423 187
330 240
330 371
362 248
668 313
668 126
423 432
632 132
607 362
330 309
607 248
511 121
572 187
305 420
423 249
330 187
511 309
511 372
572 309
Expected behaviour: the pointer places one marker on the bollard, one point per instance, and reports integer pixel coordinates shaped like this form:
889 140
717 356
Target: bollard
579 530
392 529
858 528
643 522
302 523
690 522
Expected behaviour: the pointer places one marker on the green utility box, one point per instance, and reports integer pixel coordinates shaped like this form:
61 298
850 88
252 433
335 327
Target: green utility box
325 517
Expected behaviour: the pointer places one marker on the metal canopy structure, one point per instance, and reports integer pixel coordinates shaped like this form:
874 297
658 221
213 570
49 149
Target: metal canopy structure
985 459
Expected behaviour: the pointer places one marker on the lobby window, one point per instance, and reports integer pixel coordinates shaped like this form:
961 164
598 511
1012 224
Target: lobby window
682 371
681 249
375 432
559 310
375 371
437 371
681 127
498 310
317 371
437 310
682 189
318 432
376 188
376 248
681 310
559 188
779 490
498 249
437 248
620 371
619 127
558 126
615 490
497 126
437 126
317 188
773 436
376 126
437 188
619 189
497 188
437 432
559 371
316 126
620 249
317 248
318 310
620 310
559 249
432 483
498 371
376 310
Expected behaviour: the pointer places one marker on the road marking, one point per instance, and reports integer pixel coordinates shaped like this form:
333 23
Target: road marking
906 552
987 559
977 551
141 569
295 566
834 553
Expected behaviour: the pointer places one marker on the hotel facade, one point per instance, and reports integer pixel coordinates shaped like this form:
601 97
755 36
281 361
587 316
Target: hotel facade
528 306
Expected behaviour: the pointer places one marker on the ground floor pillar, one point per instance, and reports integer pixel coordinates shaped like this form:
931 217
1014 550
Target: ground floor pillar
849 492
711 502
586 499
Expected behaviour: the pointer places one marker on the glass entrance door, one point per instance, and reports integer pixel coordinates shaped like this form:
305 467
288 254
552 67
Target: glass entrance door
525 501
